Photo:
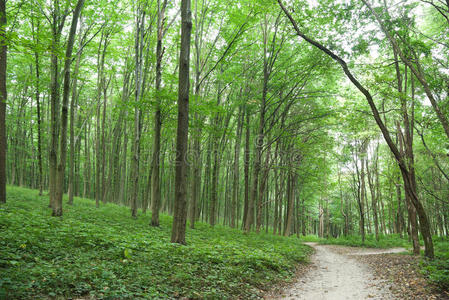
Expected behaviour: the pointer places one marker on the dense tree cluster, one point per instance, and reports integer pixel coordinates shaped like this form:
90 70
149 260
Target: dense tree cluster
296 117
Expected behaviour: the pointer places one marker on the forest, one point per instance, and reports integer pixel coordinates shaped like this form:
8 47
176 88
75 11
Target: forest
204 149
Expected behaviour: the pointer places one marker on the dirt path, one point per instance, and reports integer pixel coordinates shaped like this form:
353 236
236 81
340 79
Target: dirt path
336 276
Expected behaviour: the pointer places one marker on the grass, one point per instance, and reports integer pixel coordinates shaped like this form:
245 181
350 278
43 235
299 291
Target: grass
105 254
385 241
312 239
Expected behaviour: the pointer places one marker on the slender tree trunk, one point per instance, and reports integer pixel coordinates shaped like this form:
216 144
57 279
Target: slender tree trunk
236 173
413 233
103 143
38 106
57 207
343 211
196 184
206 186
374 196
135 159
54 103
406 141
123 173
361 187
115 167
303 214
263 184
281 196
180 208
197 120
155 181
290 203
259 139
362 199
3 98
72 125
246 167
98 149
86 192
276 192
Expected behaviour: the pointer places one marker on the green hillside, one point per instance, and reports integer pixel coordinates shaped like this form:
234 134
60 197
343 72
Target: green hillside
105 254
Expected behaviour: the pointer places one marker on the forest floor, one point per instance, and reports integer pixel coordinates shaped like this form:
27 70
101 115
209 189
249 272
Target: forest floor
102 253
339 272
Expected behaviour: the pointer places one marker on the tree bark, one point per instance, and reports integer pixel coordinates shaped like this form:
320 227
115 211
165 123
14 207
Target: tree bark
57 205
135 158
55 96
374 196
262 188
246 167
72 125
3 98
38 105
180 207
260 133
236 173
291 185
155 180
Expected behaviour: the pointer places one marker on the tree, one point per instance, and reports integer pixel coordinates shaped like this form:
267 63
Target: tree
3 98
139 78
424 222
155 181
180 207
59 173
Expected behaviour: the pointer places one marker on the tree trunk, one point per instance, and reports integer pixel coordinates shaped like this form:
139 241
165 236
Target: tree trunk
290 203
57 204
135 158
103 143
3 99
412 221
276 192
263 183
123 173
374 196
72 125
54 104
215 171
180 207
236 173
246 168
98 148
38 106
259 137
155 180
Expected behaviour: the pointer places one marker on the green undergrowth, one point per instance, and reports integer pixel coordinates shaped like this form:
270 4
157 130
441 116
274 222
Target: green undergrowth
105 254
385 241
311 238
437 270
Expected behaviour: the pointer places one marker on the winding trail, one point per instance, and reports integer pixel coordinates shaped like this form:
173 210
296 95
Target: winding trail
336 276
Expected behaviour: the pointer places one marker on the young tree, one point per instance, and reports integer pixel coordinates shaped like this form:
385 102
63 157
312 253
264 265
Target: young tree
3 98
60 171
139 76
155 180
